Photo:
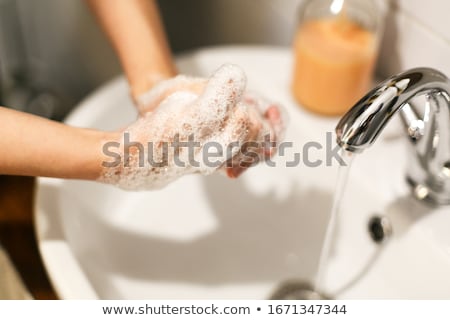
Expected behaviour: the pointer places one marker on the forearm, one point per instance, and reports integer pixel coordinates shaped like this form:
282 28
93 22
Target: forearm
36 146
137 34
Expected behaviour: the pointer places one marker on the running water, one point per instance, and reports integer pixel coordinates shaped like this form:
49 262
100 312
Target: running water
341 184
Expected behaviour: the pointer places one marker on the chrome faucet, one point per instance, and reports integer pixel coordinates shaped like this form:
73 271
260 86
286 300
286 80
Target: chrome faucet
428 127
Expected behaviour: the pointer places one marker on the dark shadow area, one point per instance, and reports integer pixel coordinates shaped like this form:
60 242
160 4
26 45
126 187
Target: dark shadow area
199 23
389 56
17 234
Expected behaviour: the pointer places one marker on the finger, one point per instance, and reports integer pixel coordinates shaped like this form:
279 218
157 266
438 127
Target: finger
241 162
230 137
242 131
273 113
223 91
261 131
258 143
276 117
235 172
269 110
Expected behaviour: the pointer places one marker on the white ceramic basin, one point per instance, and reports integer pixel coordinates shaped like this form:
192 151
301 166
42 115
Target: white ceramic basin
210 237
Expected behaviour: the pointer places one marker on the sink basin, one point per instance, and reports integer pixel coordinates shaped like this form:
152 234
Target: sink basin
214 238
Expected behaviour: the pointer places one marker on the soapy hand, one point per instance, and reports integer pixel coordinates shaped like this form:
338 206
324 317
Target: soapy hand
182 117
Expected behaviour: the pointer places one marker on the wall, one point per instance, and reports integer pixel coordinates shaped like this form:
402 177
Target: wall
417 34
197 23
63 47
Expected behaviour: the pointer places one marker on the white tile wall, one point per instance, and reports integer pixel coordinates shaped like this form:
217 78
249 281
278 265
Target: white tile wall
417 34
434 14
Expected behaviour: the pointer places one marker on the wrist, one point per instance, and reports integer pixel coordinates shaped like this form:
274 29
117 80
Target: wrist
147 82
107 152
91 158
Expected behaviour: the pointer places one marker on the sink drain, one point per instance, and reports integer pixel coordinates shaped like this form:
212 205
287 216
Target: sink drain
296 290
379 229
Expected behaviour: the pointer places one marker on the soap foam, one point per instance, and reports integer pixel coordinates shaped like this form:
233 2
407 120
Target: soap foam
219 114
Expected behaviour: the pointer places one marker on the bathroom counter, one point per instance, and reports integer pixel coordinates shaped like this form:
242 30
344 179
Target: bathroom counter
18 247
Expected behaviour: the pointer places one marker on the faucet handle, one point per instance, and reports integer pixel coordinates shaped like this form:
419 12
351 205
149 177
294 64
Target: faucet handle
415 126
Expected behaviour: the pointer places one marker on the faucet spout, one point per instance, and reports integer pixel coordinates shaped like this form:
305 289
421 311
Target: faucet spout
429 174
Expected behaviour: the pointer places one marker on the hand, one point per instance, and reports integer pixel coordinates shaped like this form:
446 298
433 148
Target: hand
199 112
161 88
267 130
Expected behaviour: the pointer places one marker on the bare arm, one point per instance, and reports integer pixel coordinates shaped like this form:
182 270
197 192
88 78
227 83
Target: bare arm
36 146
135 29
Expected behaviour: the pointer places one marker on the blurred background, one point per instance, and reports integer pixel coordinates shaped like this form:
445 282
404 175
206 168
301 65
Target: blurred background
57 48
53 53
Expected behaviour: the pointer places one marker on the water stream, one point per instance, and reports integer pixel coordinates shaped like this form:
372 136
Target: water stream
339 193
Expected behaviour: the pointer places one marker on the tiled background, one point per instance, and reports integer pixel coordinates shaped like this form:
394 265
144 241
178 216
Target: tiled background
417 34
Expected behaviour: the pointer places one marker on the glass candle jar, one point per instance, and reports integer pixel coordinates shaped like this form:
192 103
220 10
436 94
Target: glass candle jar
335 51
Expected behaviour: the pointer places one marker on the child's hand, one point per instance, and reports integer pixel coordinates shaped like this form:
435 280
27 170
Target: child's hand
201 113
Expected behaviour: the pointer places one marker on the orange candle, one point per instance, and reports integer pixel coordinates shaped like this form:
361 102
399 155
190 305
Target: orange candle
334 62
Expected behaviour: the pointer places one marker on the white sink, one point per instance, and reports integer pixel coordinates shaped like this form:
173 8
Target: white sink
209 237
